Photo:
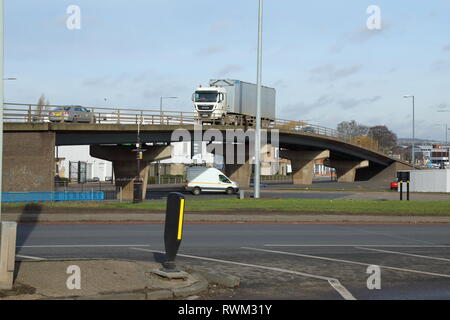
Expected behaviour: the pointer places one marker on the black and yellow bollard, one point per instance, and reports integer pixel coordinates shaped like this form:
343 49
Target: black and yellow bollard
173 230
401 189
407 190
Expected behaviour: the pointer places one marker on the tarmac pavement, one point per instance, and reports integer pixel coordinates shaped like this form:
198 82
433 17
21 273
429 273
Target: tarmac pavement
273 261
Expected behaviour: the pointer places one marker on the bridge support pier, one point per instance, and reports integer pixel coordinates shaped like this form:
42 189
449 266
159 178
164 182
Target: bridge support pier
346 170
302 163
28 161
125 165
237 166
239 172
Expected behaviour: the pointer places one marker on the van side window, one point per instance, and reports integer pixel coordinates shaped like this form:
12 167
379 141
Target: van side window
223 179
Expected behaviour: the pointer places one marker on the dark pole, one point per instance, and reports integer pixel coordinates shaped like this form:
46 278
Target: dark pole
138 181
57 162
407 190
79 172
414 137
401 190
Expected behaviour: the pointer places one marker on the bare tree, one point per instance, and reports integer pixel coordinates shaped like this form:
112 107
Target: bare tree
386 138
41 105
351 129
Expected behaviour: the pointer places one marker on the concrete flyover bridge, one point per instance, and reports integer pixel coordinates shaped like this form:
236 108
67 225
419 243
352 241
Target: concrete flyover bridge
32 132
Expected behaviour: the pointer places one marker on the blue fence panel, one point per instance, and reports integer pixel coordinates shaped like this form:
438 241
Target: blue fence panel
53 196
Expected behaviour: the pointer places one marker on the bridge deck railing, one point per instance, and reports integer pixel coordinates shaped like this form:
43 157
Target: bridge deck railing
17 112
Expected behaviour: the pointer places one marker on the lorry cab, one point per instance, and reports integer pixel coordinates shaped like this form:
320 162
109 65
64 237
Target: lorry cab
203 179
210 103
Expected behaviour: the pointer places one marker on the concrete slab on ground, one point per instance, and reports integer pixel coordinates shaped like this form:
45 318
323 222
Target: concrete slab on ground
99 279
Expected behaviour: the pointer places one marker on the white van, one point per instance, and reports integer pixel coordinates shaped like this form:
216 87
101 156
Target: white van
201 179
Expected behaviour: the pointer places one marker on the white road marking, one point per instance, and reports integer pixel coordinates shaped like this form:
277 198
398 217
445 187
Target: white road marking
332 281
86 246
28 257
358 245
404 254
386 235
350 262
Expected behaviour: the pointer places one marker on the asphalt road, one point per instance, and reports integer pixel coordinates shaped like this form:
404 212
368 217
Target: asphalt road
274 261
159 195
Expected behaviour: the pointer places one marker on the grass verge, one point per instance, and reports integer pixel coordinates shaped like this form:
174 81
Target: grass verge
287 206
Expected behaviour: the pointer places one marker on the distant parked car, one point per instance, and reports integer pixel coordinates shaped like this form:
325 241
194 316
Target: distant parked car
108 178
309 129
71 114
394 185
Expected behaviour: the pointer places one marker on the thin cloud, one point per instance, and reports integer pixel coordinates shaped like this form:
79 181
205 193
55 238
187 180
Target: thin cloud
211 50
446 48
440 65
328 100
332 73
442 106
305 108
231 68
358 37
353 103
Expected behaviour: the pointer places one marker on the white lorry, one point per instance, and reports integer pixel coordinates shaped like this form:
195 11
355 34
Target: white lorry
200 179
233 102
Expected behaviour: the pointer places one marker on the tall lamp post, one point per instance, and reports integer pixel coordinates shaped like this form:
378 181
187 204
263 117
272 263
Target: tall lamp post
161 104
257 175
8 230
1 105
413 156
446 130
138 183
161 114
446 127
446 137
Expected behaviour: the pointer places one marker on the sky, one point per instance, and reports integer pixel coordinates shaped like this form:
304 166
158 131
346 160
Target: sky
320 56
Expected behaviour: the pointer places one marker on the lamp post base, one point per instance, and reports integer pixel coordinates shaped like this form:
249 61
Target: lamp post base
8 235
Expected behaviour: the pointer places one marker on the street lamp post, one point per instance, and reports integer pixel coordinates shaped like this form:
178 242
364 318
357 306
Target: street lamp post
1 102
257 175
161 115
413 156
138 183
161 104
8 230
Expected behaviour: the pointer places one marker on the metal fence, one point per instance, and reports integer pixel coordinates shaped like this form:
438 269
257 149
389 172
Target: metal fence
17 113
276 178
52 196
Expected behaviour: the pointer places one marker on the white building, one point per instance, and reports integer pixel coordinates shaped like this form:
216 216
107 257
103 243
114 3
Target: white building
71 155
181 153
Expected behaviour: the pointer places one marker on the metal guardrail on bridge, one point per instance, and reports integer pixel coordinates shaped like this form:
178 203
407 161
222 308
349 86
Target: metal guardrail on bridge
17 112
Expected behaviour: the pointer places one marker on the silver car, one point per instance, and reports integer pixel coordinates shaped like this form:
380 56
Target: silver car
71 114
